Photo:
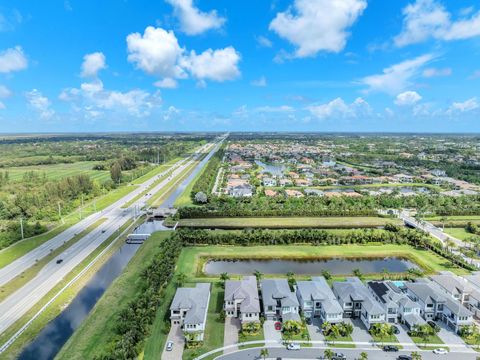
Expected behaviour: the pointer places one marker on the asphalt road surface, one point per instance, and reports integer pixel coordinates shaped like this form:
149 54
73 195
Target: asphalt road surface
17 304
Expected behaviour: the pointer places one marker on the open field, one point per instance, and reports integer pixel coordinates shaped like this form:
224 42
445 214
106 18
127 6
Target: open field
454 221
192 259
459 233
289 222
97 330
58 171
65 297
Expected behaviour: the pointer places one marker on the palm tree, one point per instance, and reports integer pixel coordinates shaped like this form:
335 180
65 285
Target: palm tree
326 274
449 244
180 279
328 354
264 353
224 277
363 355
258 275
416 356
357 273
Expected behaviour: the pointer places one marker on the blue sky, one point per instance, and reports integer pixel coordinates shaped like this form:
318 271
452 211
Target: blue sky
271 65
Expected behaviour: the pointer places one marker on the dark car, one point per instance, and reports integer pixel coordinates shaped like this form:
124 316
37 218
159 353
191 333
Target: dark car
59 261
309 321
396 330
390 348
432 323
404 357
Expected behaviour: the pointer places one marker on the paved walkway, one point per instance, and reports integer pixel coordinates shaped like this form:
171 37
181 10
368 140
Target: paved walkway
176 336
230 337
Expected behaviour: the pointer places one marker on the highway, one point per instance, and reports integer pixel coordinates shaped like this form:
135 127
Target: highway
17 304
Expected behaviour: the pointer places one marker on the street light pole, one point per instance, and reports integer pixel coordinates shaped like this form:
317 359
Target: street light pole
21 227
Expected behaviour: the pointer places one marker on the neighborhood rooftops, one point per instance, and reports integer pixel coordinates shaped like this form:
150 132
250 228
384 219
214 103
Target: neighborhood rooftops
246 290
194 301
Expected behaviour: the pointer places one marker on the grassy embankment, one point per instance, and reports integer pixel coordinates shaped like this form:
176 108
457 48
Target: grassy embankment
55 308
98 328
459 233
17 282
289 222
185 199
454 220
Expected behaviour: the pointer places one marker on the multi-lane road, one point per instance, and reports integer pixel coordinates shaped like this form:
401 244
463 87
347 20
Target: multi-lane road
17 304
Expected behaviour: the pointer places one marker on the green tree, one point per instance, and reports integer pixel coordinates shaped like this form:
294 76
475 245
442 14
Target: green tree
363 355
326 274
180 279
116 172
258 275
357 273
264 353
224 277
416 356
328 354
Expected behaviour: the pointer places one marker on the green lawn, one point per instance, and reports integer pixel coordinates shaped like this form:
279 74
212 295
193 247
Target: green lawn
214 328
185 199
155 171
424 345
459 233
191 259
289 222
341 338
98 328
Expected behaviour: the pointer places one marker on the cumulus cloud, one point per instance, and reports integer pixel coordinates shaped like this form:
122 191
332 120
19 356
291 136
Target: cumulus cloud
466 106
317 25
217 65
434 72
428 19
261 82
338 108
192 20
40 103
275 109
12 59
92 64
397 77
407 98
263 41
158 53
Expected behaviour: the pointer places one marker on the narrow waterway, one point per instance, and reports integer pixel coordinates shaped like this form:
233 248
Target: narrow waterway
53 336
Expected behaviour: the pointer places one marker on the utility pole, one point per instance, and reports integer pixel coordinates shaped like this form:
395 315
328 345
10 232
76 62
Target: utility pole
21 227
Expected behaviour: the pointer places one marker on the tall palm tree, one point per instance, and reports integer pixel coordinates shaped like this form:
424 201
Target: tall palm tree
258 275
416 356
264 353
180 279
224 277
363 355
328 354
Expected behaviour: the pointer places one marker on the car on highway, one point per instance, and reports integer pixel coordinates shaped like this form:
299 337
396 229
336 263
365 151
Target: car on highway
278 326
103 231
169 346
339 356
390 348
440 351
404 357
59 261
293 346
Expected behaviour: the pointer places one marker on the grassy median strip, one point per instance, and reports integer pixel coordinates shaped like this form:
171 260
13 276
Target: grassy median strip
64 299
185 198
98 328
289 222
16 283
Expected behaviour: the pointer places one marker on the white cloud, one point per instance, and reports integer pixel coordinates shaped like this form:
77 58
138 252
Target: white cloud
338 108
264 41
93 98
407 98
317 25
218 65
434 72
428 19
40 103
192 20
397 77
92 64
275 109
261 82
156 52
12 59
466 106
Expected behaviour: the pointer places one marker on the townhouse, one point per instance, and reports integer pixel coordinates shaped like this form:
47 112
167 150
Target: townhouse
317 300
189 309
241 299
396 304
435 304
357 301
279 302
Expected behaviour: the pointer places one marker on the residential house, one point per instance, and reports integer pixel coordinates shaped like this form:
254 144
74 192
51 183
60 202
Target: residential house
241 191
279 302
293 193
189 309
268 181
270 193
318 301
357 301
241 299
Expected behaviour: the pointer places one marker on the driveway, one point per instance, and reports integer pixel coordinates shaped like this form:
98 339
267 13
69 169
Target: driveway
449 337
230 337
404 338
360 332
271 334
315 330
176 336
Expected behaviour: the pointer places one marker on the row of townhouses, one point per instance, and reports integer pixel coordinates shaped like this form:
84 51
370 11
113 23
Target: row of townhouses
444 297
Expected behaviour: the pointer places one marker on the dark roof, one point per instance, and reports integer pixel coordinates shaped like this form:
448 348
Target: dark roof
379 288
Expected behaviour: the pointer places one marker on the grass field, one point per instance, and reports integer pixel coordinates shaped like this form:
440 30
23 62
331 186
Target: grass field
185 199
191 259
97 329
422 344
58 171
63 300
459 233
289 222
